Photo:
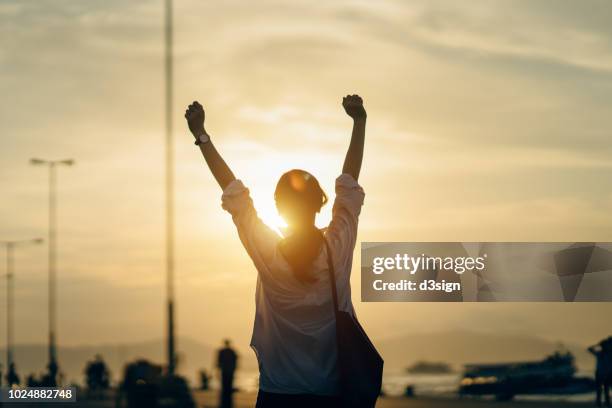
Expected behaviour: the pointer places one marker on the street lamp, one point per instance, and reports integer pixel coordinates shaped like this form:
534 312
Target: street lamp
10 246
52 165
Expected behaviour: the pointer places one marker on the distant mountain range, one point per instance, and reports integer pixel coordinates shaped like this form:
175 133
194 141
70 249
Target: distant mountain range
454 347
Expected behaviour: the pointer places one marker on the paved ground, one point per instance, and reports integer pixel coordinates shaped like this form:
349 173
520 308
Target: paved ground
247 400
244 400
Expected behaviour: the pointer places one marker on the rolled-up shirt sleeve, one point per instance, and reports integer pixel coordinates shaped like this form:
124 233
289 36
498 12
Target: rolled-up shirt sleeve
236 198
257 238
342 231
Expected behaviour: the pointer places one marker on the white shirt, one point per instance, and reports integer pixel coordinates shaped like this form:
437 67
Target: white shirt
294 333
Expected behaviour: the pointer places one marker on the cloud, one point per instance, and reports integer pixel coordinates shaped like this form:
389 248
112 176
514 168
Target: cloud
559 32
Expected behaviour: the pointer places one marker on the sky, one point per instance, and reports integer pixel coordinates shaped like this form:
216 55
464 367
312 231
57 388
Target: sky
487 121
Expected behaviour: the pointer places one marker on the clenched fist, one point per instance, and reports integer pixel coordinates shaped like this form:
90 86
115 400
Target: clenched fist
353 105
195 119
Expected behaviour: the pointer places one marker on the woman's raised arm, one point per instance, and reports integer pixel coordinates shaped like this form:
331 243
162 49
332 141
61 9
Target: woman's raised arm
353 105
195 119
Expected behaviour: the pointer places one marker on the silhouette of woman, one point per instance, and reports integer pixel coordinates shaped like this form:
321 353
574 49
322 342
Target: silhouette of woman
294 329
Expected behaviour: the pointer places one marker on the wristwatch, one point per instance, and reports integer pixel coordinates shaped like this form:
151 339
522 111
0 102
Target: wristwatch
202 139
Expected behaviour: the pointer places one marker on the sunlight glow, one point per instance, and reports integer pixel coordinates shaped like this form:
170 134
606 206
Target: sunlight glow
270 216
263 174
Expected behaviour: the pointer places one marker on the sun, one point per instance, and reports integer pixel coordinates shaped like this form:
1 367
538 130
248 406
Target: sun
262 171
269 215
263 200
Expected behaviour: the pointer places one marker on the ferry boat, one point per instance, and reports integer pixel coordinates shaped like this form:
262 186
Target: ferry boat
553 375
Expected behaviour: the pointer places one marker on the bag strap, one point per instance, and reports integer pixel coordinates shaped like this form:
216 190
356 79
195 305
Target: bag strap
332 275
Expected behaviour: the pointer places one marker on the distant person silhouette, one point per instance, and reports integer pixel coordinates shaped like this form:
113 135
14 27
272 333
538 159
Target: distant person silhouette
294 333
97 376
141 385
227 361
603 369
12 378
204 380
32 381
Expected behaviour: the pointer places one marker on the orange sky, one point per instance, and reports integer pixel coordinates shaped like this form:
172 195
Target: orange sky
487 121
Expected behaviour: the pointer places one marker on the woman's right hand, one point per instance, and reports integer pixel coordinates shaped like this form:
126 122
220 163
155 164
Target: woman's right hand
195 119
353 105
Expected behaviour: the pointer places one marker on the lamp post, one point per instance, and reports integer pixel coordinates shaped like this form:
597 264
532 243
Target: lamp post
10 265
171 356
52 166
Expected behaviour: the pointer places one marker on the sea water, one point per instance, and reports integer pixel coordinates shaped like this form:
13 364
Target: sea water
428 385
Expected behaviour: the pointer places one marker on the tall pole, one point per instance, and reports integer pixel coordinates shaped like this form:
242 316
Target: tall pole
53 366
10 298
9 305
169 190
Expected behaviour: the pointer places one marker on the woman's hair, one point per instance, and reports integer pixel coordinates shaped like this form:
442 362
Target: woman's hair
299 197
300 189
